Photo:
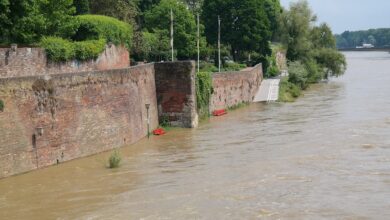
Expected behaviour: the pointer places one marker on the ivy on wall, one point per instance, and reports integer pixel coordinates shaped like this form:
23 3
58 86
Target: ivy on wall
204 89
1 105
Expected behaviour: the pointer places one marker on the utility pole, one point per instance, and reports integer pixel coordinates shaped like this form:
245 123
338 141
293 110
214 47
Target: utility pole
219 44
198 43
172 34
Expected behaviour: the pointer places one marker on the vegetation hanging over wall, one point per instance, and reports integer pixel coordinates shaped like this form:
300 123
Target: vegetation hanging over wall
204 90
94 27
53 25
93 33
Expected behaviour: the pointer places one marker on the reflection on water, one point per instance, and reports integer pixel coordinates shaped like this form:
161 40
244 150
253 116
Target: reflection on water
325 156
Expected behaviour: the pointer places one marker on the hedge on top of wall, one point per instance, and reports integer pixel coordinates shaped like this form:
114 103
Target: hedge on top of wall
93 27
60 50
93 33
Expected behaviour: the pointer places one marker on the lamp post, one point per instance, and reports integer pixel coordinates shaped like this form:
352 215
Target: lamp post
172 35
219 44
147 118
198 43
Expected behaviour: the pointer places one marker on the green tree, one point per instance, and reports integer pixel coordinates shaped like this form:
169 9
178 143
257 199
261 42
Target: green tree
273 10
158 19
29 20
82 6
371 40
244 25
4 20
124 10
322 36
332 62
146 5
195 6
310 47
296 24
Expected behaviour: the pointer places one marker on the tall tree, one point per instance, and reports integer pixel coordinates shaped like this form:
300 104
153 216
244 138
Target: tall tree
273 10
146 5
4 20
195 6
28 20
297 23
124 10
158 19
322 36
245 25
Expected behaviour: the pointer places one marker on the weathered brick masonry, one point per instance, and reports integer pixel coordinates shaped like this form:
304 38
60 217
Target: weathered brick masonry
18 62
55 118
232 88
176 96
62 117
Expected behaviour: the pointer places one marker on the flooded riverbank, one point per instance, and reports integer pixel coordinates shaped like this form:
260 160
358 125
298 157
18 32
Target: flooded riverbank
326 156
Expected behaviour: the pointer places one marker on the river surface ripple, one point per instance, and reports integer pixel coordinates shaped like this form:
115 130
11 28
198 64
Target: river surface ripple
326 156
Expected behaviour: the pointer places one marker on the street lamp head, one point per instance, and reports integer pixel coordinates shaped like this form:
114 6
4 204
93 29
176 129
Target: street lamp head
147 106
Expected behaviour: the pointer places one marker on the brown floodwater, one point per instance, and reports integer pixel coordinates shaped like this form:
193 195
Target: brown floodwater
326 156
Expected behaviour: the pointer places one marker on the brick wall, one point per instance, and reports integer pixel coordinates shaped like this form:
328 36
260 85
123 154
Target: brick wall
232 88
176 97
67 116
33 62
56 118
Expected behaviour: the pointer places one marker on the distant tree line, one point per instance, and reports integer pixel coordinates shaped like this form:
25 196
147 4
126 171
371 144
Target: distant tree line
351 39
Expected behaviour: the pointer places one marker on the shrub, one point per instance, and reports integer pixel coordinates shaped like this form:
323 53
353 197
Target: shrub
233 66
91 49
331 60
208 67
257 58
288 91
1 105
155 46
204 90
60 50
94 27
237 106
165 123
298 74
315 72
114 160
272 69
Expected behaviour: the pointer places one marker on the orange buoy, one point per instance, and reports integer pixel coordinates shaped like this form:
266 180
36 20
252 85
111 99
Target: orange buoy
159 131
219 112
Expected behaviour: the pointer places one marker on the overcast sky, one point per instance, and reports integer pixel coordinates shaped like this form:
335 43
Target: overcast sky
350 15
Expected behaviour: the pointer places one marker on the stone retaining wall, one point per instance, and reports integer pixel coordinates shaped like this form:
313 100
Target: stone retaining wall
55 118
176 96
233 88
19 62
62 117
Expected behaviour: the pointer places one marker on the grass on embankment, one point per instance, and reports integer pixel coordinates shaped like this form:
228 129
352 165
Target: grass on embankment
288 92
239 105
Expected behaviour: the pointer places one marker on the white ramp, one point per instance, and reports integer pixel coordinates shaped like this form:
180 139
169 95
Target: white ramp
268 91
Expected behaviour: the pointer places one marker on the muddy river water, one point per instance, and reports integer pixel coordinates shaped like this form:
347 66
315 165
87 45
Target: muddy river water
326 156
